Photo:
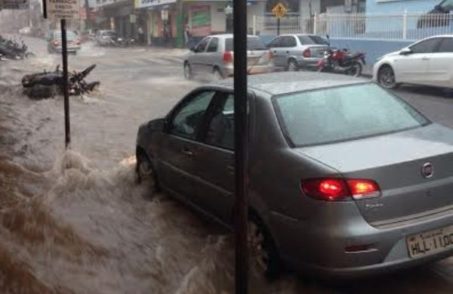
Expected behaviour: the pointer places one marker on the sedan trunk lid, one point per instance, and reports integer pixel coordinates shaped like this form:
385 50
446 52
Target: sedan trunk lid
399 163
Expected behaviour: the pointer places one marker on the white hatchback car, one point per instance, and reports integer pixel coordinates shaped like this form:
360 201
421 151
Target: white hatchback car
426 62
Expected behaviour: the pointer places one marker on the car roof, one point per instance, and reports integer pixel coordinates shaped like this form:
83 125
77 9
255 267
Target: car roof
290 82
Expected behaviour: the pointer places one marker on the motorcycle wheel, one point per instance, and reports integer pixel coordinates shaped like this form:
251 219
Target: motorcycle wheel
355 70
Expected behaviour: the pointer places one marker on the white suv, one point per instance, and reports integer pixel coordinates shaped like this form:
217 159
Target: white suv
426 62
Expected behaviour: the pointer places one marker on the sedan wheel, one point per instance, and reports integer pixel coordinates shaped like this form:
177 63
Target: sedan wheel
292 66
144 171
386 77
187 71
263 254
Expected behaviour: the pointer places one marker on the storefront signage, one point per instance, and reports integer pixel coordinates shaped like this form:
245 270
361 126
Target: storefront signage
151 3
63 9
200 20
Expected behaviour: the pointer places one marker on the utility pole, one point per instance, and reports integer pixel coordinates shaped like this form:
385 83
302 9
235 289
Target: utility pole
87 12
240 144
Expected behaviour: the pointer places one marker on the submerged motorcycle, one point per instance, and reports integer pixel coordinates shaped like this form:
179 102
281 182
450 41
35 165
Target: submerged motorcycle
342 61
11 49
48 84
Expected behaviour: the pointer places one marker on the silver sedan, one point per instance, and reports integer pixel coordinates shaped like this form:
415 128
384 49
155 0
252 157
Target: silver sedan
345 179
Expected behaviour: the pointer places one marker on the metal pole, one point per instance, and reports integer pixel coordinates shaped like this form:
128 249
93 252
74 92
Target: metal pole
241 143
44 8
278 26
64 52
87 19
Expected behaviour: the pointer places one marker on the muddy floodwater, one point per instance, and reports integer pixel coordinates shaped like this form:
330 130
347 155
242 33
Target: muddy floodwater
76 221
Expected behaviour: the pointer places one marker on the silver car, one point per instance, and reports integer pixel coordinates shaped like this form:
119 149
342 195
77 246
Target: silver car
296 51
214 55
54 44
344 178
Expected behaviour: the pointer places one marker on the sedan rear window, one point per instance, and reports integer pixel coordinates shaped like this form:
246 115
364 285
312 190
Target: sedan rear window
343 113
312 40
252 44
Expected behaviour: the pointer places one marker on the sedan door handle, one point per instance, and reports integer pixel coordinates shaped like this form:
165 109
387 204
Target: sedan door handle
287 52
425 58
187 152
275 51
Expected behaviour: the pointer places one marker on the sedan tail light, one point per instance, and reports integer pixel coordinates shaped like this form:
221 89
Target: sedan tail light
307 53
333 189
227 57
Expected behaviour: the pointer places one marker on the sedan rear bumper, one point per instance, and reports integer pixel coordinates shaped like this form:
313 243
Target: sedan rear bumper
353 249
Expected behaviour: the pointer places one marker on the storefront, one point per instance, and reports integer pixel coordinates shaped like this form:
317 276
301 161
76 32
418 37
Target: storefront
118 16
159 20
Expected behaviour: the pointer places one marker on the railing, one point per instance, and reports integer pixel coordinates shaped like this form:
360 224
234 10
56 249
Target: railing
402 26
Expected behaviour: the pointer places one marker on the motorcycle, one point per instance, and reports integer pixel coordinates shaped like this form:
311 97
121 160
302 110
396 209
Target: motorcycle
13 50
342 61
47 84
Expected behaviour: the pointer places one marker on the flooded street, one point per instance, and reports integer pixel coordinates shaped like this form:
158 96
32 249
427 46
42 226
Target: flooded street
77 222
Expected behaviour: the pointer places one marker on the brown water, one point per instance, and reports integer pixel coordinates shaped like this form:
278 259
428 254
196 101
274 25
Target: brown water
77 223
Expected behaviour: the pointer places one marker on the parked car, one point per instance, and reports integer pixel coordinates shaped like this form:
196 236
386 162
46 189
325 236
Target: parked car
214 55
295 51
426 62
344 178
54 44
106 38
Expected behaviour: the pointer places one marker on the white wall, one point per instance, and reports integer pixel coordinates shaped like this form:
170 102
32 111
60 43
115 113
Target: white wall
218 19
305 7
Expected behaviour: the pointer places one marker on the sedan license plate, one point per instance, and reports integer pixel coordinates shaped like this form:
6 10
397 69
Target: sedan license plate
430 242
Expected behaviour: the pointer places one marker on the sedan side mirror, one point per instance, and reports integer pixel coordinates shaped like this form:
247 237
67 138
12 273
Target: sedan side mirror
193 49
405 51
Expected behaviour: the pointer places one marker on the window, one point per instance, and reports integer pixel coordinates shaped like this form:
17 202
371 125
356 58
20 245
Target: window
213 45
220 131
288 42
428 46
201 47
275 43
343 113
188 118
446 45
312 40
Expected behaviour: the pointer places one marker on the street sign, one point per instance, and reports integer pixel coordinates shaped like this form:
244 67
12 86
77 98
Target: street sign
63 9
279 10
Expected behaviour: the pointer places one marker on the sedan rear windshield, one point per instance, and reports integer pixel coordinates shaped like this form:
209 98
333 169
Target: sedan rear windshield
252 44
343 113
69 35
312 40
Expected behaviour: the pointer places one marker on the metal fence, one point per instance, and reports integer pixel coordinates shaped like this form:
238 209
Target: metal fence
403 26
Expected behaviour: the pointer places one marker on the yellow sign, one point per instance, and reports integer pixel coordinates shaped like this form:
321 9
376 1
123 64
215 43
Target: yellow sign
279 10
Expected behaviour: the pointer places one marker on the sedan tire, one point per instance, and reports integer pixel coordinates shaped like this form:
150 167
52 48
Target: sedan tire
386 77
292 65
263 252
144 170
